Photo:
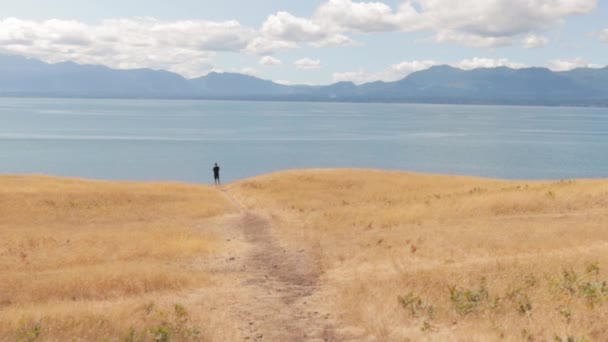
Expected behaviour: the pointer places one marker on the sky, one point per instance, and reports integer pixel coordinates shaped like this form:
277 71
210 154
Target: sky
308 42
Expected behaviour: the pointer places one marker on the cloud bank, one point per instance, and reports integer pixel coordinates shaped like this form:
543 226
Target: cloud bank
475 63
468 22
569 64
185 47
188 47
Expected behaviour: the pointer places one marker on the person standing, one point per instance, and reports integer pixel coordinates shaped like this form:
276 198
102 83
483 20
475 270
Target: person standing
216 174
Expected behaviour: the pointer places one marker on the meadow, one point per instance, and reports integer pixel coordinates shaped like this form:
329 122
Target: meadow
397 256
428 257
94 260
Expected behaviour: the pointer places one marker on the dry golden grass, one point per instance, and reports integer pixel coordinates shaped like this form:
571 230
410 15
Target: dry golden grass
405 256
426 257
95 260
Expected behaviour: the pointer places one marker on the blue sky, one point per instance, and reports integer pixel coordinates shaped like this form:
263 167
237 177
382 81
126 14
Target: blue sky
312 42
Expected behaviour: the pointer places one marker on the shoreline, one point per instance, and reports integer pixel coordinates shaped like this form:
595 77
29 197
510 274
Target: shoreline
299 170
327 101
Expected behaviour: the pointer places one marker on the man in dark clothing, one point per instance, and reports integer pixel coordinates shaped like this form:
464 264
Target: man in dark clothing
216 174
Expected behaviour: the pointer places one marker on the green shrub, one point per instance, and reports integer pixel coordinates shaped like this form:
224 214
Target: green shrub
466 301
416 306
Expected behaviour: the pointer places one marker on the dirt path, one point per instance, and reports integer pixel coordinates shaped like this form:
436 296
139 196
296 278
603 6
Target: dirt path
279 295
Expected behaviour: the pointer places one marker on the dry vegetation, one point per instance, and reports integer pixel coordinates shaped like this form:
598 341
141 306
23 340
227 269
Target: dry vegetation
402 256
430 257
96 260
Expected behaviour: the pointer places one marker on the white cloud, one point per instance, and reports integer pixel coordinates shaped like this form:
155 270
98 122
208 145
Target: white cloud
270 61
499 18
285 82
288 30
476 23
346 15
185 47
334 40
189 46
307 64
569 64
603 35
533 41
498 22
264 46
330 25
248 71
405 68
476 62
284 26
393 73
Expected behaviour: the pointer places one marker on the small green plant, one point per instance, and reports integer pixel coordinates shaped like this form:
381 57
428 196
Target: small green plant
161 332
164 326
520 300
416 306
466 301
566 312
595 293
130 336
149 308
530 281
477 190
180 312
519 295
527 335
568 283
28 331
426 326
524 305
593 269
558 338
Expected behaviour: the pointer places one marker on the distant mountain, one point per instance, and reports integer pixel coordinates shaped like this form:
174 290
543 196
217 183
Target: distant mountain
20 76
231 84
28 77
445 84
593 78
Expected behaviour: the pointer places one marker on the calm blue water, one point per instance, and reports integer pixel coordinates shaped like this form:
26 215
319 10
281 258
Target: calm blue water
180 140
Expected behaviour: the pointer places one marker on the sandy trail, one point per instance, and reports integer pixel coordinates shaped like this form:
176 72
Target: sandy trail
278 295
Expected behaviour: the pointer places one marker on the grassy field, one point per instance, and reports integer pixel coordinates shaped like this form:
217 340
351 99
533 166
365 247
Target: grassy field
430 257
401 256
93 260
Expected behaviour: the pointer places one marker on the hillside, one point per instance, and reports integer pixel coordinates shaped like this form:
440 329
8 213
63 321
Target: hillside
440 84
309 255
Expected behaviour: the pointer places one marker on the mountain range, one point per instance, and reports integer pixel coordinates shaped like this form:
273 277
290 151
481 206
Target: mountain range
20 76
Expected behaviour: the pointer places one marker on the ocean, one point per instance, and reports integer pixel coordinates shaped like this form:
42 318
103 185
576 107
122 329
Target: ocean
181 140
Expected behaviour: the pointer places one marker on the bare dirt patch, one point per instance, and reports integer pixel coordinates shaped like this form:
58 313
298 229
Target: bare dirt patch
281 285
